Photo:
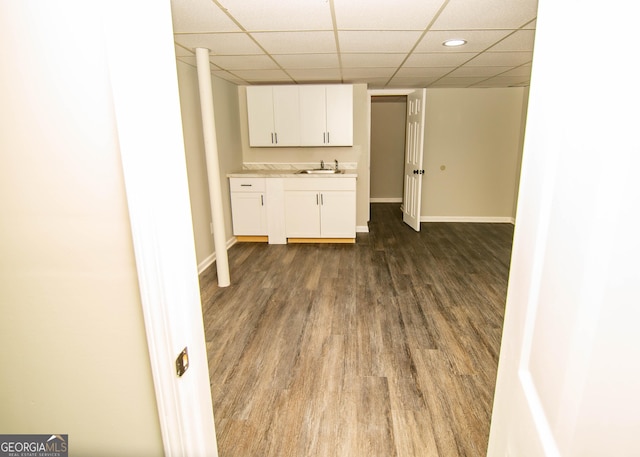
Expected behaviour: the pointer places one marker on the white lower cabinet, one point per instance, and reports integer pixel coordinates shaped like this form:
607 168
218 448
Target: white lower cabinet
320 207
248 202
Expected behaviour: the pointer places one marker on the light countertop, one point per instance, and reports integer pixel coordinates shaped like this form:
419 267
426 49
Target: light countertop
289 174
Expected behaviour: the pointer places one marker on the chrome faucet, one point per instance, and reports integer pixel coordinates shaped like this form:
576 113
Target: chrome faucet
322 164
336 164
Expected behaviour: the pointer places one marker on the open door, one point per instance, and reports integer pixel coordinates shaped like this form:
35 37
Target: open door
413 171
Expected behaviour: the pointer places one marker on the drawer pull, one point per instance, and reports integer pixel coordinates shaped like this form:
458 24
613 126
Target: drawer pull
246 185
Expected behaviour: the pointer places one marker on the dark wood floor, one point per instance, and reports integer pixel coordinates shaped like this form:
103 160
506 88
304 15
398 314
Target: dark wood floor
388 347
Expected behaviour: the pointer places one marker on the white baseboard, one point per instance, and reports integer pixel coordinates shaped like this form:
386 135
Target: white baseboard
362 229
206 263
482 219
386 200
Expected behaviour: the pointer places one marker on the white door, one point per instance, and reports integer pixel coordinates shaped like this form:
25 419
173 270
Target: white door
568 377
413 171
160 218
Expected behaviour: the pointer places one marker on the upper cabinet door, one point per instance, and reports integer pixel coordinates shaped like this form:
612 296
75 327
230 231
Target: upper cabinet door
286 115
326 114
339 115
273 113
260 115
313 114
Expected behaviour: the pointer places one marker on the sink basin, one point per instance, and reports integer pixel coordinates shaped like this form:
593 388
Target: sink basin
319 171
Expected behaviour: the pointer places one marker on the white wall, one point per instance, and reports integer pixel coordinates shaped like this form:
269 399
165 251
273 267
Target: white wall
74 354
225 101
472 153
568 375
388 125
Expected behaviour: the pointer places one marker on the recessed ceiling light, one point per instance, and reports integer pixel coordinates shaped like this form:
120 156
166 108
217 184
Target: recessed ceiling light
454 42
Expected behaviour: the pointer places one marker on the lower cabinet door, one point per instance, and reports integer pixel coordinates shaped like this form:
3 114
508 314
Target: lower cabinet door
338 214
249 214
302 214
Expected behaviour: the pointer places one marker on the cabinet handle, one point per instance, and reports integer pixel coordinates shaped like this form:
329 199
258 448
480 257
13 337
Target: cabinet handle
246 185
322 199
328 140
324 137
262 199
317 202
271 137
276 137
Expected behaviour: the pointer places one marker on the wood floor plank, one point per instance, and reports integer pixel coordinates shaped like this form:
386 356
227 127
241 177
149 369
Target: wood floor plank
386 347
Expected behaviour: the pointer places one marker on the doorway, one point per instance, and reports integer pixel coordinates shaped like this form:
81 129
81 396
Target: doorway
388 127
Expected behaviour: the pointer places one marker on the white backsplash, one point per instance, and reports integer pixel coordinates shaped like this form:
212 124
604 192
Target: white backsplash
297 165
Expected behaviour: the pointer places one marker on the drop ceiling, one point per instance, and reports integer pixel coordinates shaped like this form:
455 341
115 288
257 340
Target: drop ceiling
384 44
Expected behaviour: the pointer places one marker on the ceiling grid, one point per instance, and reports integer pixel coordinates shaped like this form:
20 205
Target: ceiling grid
380 43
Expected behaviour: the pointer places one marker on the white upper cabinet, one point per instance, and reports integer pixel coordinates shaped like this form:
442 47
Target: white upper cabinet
340 115
273 115
304 115
326 115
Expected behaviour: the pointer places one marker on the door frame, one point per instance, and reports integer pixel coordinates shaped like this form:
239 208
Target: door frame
377 93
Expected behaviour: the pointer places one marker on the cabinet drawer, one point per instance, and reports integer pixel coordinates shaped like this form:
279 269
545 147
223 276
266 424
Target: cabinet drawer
247 184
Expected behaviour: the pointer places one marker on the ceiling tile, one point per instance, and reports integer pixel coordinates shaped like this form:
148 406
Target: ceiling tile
373 83
355 73
522 40
477 40
307 60
523 70
501 59
398 42
229 77
424 72
316 75
371 60
485 14
261 15
410 82
197 16
384 14
504 81
439 59
296 42
190 60
458 82
467 70
181 52
220 43
259 62
263 75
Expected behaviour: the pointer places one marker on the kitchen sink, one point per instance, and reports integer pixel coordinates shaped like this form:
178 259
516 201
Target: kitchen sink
319 171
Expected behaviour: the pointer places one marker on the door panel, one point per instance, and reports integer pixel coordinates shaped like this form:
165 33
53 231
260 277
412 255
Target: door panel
413 159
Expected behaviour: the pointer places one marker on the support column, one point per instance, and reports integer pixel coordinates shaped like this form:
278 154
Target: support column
213 166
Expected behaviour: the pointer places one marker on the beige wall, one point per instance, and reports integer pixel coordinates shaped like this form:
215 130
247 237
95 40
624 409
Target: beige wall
74 355
476 135
388 126
225 101
359 153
